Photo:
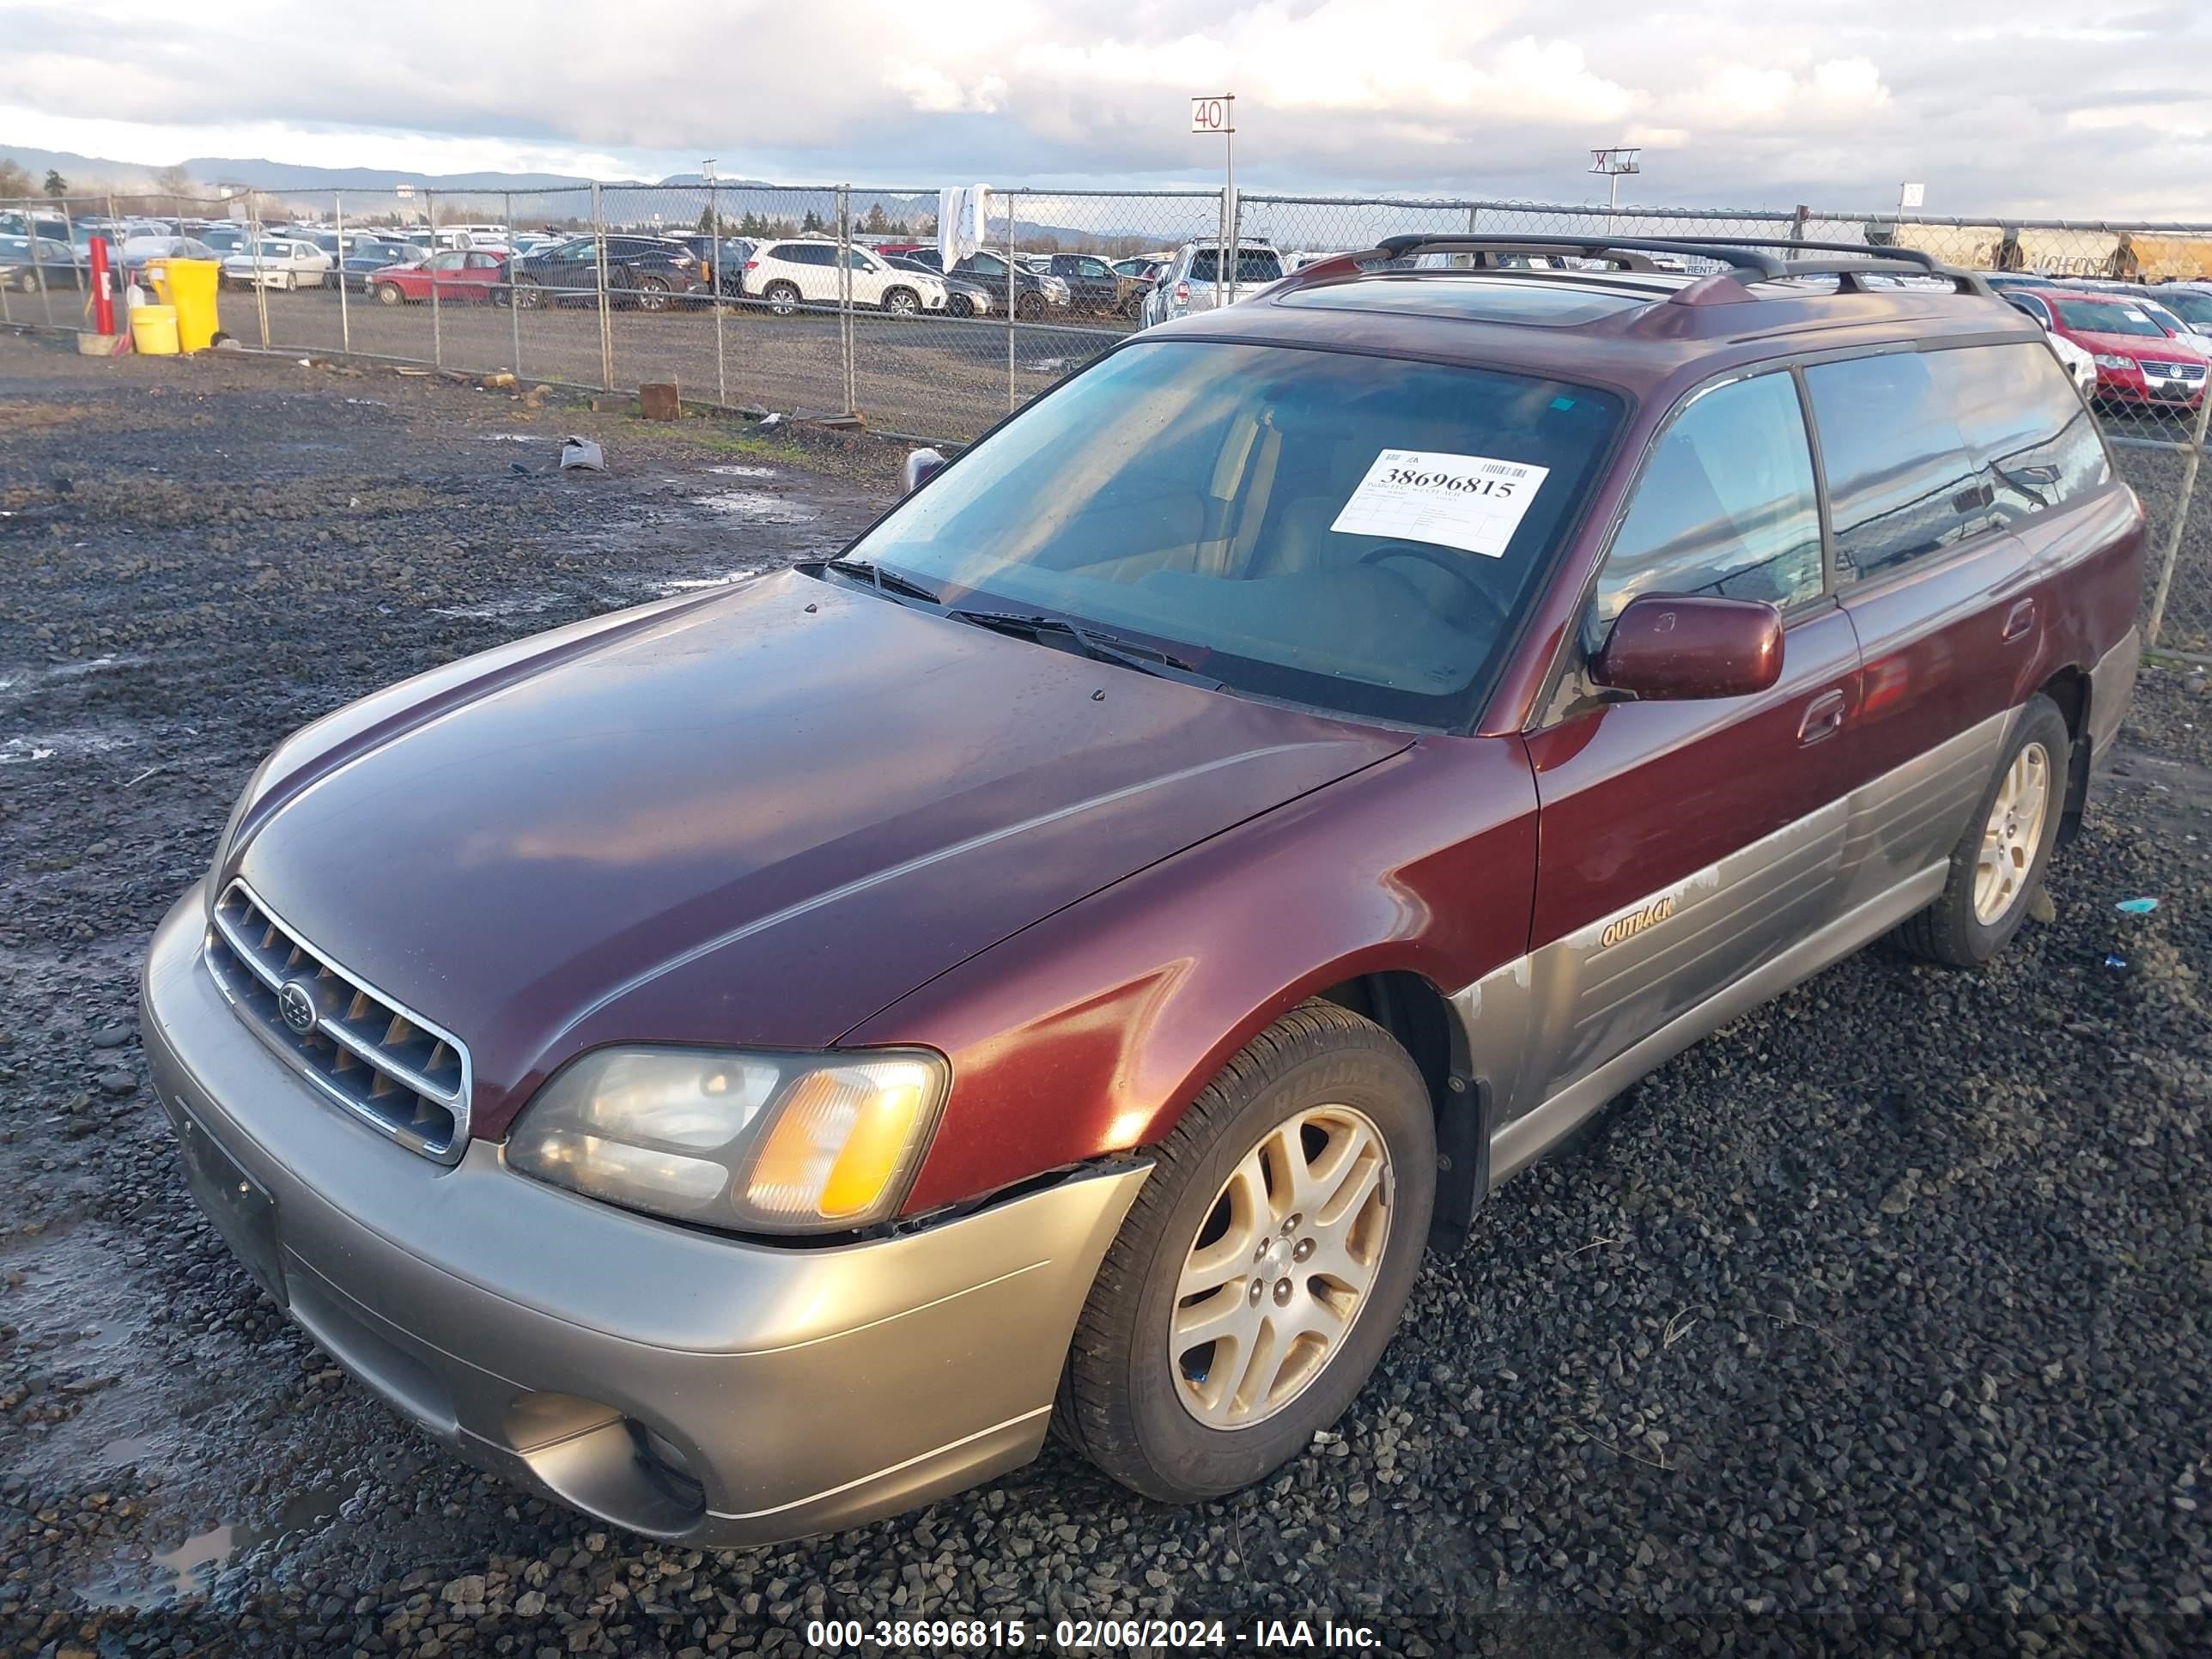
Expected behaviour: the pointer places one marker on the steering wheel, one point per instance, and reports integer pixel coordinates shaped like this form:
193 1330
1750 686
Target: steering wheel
1454 564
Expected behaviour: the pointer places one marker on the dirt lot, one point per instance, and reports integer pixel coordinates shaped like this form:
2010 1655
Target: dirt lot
1877 1323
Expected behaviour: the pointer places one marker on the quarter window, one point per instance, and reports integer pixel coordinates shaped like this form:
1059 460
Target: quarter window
2027 428
1726 506
1901 483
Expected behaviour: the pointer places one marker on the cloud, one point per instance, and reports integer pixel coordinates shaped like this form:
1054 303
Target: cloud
1738 101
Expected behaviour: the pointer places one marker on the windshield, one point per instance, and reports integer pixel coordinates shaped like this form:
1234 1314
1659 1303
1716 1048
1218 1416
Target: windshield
1351 532
2096 316
2194 309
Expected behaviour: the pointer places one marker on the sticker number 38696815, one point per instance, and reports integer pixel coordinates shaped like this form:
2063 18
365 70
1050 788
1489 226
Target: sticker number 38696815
1472 502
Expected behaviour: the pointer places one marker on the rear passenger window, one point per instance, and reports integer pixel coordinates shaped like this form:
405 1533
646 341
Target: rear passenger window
1901 484
1726 506
2025 424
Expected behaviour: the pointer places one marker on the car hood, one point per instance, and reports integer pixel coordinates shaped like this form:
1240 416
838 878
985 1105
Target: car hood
755 818
2161 350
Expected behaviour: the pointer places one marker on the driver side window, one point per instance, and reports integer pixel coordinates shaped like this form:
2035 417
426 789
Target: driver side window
1726 506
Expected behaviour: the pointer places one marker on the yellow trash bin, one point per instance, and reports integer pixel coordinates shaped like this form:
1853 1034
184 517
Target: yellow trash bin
154 330
190 285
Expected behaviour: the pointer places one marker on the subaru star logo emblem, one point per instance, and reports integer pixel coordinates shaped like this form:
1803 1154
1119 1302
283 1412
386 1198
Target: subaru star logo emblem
297 1004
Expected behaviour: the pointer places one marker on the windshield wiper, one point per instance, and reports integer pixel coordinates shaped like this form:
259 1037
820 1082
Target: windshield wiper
883 581
1094 644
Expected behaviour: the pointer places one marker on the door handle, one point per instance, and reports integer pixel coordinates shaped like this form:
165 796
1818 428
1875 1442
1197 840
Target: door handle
1824 717
2019 620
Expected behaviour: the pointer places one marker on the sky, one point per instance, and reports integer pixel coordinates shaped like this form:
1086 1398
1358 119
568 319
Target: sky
2036 107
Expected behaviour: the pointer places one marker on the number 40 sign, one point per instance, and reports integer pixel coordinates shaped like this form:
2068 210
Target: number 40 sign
1212 114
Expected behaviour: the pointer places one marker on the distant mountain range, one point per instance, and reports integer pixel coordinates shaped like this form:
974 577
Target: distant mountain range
679 198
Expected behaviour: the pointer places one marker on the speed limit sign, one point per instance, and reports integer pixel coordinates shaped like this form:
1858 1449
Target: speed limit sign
1210 114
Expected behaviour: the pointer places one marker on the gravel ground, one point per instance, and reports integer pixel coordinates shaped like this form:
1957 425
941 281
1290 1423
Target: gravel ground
1877 1323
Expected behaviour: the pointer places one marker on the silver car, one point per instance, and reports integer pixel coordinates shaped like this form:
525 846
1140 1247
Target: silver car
1190 282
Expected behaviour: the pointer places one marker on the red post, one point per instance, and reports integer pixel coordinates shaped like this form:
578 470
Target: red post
103 303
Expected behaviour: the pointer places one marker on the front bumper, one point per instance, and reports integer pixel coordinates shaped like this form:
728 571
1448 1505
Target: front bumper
682 1385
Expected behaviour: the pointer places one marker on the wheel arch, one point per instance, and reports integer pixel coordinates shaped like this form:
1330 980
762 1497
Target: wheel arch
2070 689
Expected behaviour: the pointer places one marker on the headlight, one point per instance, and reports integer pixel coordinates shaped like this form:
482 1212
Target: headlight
2113 360
760 1142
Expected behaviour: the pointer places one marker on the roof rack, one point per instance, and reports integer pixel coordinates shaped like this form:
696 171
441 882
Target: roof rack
1745 257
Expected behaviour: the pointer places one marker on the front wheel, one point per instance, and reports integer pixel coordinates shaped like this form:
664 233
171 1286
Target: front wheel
528 296
388 294
1263 1268
2001 859
902 302
1029 307
27 282
782 297
960 306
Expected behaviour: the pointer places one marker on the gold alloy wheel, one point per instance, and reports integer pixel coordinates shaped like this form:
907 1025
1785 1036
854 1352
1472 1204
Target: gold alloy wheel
2014 831
1281 1266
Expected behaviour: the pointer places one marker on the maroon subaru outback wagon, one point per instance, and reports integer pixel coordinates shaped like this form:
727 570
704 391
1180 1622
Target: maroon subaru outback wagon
755 1062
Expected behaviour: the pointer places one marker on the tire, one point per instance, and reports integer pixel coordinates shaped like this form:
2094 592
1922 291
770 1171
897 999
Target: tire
528 296
387 294
782 297
652 295
1029 306
902 302
1976 916
1132 1405
960 306
27 282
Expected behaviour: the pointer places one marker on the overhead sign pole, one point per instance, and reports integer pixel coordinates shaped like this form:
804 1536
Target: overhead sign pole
1210 115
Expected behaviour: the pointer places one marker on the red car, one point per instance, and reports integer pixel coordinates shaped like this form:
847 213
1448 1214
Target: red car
2138 361
461 275
750 1064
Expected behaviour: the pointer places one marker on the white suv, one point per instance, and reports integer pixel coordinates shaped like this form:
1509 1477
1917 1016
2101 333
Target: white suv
788 275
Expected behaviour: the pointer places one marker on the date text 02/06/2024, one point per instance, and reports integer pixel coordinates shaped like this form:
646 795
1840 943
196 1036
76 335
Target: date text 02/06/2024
1087 1635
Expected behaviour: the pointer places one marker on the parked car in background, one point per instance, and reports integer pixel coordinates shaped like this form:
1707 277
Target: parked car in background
27 267
963 298
533 241
456 276
365 258
224 239
1032 294
139 252
278 262
1094 286
1142 269
2191 301
1187 287
733 251
1288 779
647 272
804 271
2138 361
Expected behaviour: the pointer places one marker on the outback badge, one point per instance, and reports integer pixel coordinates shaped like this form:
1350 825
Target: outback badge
1636 922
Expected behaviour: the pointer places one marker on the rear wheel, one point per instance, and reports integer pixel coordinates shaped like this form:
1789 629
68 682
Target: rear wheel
782 297
652 293
1263 1268
2001 859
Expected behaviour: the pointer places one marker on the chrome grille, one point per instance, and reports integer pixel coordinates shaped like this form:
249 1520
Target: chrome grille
385 1063
2172 370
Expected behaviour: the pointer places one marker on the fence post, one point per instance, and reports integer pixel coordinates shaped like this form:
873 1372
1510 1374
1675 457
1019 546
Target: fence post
1013 297
37 264
345 316
430 265
514 310
607 317
2171 555
845 292
714 224
260 288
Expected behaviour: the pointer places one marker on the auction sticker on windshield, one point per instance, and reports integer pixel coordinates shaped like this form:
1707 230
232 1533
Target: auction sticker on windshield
1472 502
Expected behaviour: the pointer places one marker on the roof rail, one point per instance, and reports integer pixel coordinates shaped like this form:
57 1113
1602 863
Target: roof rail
1744 256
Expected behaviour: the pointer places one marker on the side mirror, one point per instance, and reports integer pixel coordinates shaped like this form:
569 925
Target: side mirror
1667 648
921 465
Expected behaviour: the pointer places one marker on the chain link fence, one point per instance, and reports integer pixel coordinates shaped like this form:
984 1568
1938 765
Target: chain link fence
821 299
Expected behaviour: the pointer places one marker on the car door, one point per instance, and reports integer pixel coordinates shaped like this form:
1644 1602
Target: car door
989 270
1943 594
870 279
444 270
1685 844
